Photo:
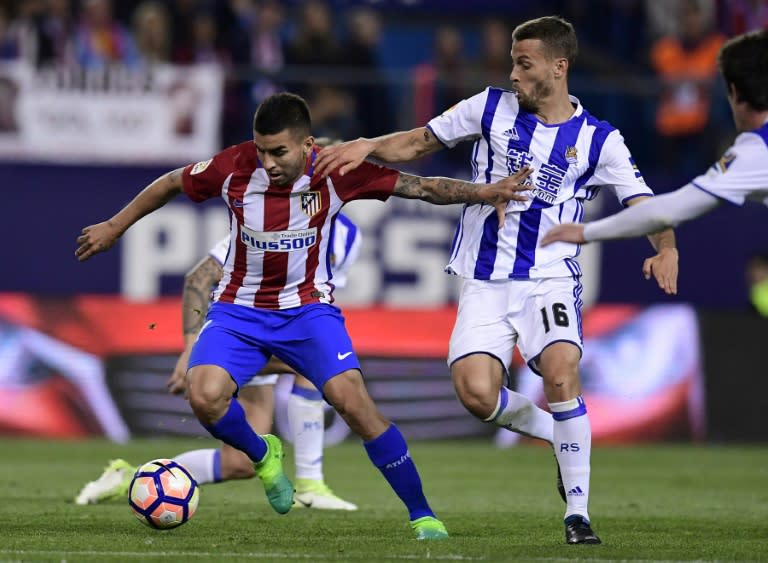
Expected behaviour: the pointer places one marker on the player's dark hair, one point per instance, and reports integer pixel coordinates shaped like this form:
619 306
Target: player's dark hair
743 62
282 111
557 34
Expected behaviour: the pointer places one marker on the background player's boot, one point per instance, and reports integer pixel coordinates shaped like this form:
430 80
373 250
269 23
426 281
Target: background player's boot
112 485
270 470
578 530
429 528
313 493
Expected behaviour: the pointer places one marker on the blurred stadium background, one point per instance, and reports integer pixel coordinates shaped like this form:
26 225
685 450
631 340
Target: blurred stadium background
97 98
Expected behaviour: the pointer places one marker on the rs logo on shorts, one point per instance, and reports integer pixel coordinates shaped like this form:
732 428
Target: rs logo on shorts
279 241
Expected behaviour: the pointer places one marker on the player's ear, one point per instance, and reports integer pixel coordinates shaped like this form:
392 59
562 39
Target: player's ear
308 143
561 68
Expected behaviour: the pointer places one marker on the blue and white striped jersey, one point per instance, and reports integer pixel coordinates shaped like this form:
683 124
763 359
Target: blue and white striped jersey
571 162
741 174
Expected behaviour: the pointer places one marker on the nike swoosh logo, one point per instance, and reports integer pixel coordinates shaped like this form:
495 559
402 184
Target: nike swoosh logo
341 356
301 502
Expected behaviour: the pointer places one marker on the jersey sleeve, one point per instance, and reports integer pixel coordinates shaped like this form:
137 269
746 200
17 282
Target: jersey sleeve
740 172
617 169
204 180
367 181
220 250
460 122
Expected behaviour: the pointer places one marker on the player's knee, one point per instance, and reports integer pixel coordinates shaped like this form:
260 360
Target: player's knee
559 369
560 362
476 394
209 402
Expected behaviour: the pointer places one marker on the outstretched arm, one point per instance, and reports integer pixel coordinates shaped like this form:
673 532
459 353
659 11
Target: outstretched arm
195 300
654 216
666 210
402 146
444 191
101 237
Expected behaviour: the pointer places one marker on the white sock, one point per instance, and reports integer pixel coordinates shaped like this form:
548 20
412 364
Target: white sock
518 413
204 465
573 446
307 422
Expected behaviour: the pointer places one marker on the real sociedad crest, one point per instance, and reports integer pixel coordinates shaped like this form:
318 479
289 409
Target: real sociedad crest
571 155
311 202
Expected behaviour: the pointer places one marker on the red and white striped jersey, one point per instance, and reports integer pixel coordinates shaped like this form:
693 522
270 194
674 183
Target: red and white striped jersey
279 256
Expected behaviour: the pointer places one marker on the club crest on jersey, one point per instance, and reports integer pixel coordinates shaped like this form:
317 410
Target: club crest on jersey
311 202
200 166
571 155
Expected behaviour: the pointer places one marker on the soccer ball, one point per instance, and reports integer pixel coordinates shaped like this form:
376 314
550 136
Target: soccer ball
163 494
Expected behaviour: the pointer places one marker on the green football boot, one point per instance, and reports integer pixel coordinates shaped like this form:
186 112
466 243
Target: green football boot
278 488
429 528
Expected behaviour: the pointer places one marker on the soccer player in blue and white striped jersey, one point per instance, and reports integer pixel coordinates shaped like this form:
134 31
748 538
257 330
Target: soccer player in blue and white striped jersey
740 175
515 292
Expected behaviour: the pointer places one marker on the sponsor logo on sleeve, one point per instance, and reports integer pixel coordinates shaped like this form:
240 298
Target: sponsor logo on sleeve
725 161
200 166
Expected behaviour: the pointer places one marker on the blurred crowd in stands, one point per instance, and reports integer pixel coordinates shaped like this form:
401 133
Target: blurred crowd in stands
367 68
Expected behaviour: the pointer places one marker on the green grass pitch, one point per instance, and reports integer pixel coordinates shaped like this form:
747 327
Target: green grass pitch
670 503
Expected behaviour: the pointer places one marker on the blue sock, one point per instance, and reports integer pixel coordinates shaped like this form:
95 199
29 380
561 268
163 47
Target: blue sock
389 453
233 429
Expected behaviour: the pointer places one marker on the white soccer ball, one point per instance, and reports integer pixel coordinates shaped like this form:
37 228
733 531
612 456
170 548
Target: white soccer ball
163 494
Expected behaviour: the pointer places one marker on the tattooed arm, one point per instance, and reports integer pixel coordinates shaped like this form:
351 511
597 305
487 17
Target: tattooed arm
101 237
403 146
196 296
444 191
195 300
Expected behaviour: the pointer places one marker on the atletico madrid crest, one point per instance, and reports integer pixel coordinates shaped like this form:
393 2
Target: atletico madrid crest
311 202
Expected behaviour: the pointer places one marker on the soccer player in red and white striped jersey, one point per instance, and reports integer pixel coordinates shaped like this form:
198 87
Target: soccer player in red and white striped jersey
275 295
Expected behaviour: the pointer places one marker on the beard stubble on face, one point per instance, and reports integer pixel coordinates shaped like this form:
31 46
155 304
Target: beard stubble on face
539 91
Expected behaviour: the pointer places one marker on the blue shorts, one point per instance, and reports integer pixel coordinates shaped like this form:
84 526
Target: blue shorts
311 339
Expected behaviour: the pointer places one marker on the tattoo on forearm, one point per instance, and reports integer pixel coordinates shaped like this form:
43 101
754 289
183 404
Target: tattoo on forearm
196 296
195 307
440 191
174 176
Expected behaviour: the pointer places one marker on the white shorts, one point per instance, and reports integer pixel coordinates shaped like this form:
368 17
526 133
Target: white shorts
257 380
496 315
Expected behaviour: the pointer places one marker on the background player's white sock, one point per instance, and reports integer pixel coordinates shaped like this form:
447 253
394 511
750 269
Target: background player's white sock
205 465
518 413
573 446
307 422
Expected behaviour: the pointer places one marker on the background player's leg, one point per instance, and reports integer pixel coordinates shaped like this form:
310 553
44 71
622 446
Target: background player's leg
208 465
306 416
307 422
